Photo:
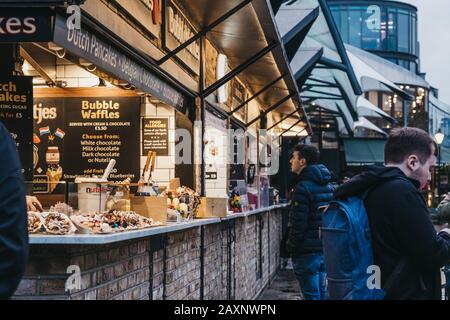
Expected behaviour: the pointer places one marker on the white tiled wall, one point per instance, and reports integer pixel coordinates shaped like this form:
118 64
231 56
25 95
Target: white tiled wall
215 129
74 75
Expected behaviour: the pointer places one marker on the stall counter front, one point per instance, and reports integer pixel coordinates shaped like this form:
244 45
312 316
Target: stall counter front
218 258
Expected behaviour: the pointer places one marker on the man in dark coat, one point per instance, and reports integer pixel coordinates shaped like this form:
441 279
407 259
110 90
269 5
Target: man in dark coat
13 217
406 247
313 192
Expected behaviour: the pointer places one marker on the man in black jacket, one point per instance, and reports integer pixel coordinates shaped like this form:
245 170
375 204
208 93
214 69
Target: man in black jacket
313 191
13 217
406 247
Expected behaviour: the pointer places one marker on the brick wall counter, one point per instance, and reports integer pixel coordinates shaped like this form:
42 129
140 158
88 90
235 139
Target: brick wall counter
232 258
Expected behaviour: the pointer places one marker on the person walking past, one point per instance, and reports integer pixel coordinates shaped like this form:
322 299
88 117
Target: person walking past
406 248
313 191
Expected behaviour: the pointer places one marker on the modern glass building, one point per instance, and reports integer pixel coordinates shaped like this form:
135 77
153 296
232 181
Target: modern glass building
385 28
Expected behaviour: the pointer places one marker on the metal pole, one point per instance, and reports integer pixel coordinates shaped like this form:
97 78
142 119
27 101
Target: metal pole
203 32
203 118
439 175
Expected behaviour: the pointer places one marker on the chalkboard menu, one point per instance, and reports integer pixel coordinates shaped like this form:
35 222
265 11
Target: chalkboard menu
155 136
16 113
77 136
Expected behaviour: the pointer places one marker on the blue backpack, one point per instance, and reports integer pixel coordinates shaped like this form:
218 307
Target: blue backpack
348 251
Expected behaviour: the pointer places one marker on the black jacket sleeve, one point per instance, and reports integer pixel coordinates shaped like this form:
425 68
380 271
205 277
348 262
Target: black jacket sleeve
13 217
416 234
298 219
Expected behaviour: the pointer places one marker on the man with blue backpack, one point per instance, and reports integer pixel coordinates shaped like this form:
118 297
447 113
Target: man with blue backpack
379 241
313 191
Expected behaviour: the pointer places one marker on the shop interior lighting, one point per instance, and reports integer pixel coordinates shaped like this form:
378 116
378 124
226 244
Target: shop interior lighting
84 62
439 136
222 64
38 81
91 68
54 47
103 83
61 53
129 87
26 67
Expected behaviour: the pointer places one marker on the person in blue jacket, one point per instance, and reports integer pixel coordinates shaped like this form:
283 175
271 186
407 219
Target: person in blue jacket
313 192
13 217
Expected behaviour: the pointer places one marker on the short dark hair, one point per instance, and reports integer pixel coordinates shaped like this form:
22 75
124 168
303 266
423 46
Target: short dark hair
308 152
403 142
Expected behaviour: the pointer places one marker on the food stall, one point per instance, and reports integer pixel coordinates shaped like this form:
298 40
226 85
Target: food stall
100 140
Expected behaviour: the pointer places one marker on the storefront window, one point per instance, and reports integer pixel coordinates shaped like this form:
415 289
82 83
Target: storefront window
344 26
403 63
403 31
355 22
392 30
396 30
414 34
370 32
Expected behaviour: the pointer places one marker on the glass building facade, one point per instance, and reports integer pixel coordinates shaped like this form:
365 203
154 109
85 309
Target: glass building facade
417 114
386 28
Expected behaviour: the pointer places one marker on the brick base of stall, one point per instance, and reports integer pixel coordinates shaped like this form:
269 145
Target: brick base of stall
234 259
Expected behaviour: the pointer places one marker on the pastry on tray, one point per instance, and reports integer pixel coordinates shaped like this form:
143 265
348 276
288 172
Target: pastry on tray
62 208
91 223
34 222
58 224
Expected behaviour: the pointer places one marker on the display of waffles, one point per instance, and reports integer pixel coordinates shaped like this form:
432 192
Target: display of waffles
127 220
62 208
34 222
58 224
91 223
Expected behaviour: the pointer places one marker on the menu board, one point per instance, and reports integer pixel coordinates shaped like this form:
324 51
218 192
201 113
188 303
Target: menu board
155 136
78 136
16 113
48 143
101 129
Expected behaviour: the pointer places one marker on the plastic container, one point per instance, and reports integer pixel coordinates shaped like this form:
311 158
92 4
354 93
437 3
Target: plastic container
92 194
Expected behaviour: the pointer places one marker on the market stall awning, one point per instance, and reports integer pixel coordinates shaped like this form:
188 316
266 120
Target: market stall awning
250 30
362 152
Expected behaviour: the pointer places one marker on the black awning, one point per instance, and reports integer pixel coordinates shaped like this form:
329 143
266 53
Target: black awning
363 152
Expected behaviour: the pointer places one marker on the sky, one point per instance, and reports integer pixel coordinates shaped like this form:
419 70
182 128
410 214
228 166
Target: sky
434 38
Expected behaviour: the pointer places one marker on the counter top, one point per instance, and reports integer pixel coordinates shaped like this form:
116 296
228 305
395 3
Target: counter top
98 239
